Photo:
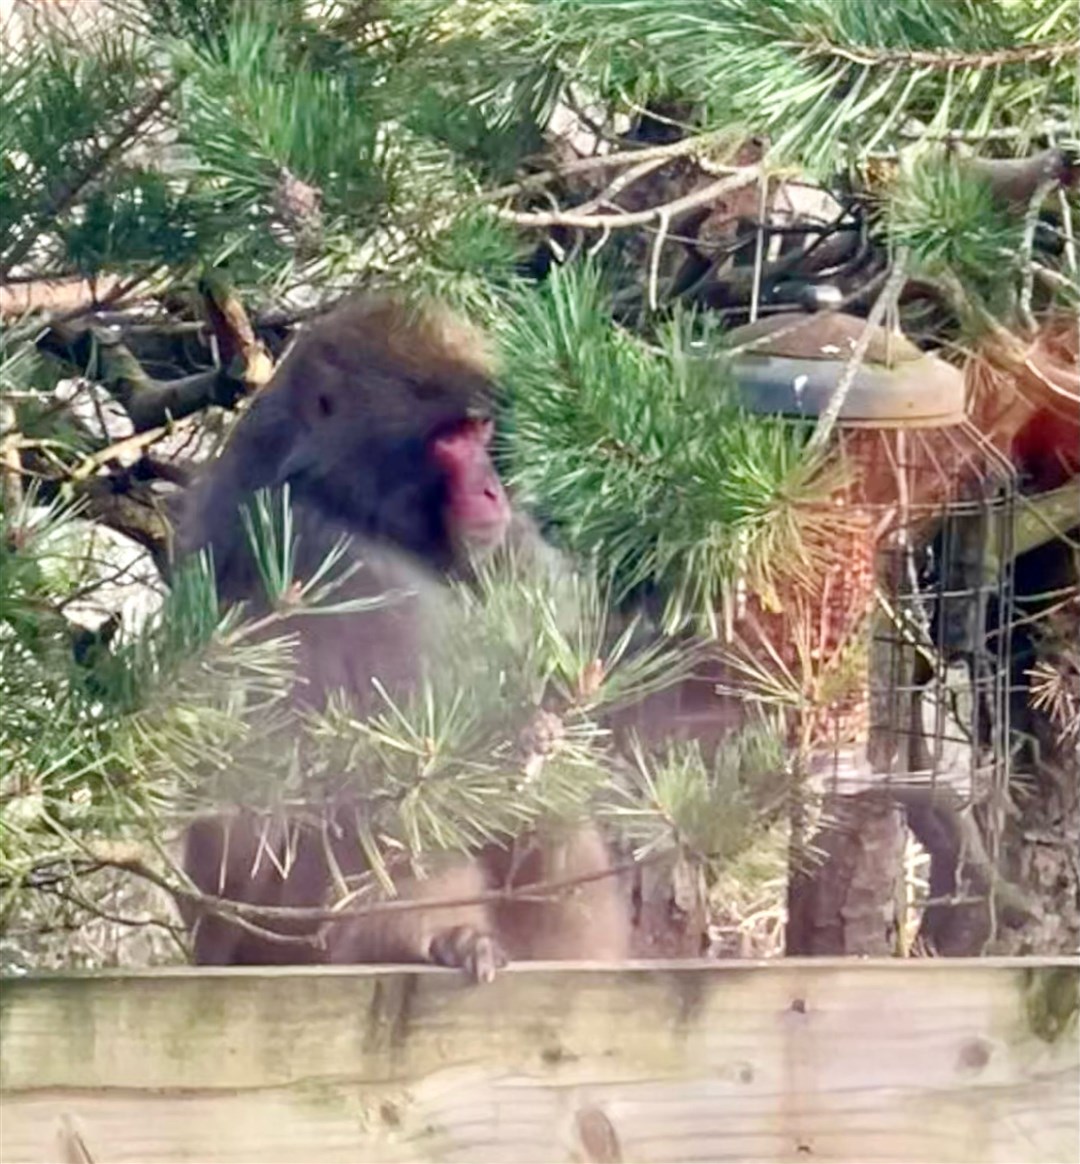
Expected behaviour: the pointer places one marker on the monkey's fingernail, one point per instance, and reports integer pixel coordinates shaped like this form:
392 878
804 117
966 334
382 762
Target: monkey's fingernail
487 957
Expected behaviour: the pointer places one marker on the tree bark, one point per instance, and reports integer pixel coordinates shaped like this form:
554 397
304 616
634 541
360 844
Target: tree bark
848 899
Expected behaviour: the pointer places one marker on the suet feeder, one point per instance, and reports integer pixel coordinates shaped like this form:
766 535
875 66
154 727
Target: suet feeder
910 610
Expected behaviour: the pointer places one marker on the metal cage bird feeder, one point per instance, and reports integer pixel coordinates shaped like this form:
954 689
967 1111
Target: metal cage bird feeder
915 592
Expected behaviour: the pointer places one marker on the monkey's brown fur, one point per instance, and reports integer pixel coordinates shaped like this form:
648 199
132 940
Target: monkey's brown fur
348 423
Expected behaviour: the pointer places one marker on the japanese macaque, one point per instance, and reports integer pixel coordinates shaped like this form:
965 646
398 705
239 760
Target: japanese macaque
378 421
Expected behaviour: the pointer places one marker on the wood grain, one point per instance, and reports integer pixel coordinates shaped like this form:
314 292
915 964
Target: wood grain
808 1060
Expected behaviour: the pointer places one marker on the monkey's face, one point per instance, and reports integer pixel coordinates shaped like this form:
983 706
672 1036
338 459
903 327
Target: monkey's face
397 458
475 506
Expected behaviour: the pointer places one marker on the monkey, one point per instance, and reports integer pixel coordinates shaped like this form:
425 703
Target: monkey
1014 181
379 421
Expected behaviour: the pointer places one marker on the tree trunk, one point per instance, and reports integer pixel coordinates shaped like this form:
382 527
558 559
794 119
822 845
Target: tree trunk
848 899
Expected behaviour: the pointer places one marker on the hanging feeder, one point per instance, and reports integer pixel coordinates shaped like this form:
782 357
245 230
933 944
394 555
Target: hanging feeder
905 682
927 555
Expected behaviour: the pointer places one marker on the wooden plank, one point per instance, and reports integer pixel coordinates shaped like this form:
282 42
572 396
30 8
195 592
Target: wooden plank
942 1061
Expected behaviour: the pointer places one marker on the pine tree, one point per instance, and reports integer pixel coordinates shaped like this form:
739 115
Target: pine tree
185 181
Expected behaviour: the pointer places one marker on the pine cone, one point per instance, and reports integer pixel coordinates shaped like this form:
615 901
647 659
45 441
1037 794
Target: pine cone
539 739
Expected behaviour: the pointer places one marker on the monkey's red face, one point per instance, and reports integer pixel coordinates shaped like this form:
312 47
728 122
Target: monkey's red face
477 508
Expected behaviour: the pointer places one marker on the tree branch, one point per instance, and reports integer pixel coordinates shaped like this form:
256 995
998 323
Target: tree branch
741 176
149 403
11 490
619 158
884 303
62 294
132 444
237 910
241 352
1025 54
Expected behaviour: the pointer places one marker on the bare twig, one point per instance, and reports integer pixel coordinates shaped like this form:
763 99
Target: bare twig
243 912
11 490
614 188
740 176
654 260
808 320
600 243
759 247
1067 231
1000 133
660 153
73 897
1031 221
132 444
890 293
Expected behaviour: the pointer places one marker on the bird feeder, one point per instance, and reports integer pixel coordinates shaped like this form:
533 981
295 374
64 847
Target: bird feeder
902 641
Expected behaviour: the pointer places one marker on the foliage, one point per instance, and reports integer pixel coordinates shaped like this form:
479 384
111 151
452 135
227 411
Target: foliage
952 223
640 456
361 139
93 740
716 808
819 76
245 94
296 149
190 712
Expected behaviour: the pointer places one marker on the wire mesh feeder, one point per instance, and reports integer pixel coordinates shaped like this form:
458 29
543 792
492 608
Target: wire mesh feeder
901 647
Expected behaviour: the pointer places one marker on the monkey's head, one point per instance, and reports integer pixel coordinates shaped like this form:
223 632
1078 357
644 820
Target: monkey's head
379 420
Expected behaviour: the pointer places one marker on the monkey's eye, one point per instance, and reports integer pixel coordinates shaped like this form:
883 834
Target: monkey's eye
325 404
459 444
427 390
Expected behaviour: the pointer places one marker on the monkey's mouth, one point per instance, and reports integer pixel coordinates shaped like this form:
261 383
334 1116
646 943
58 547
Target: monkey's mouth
487 534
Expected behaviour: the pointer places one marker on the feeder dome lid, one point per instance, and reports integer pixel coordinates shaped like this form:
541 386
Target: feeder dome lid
797 362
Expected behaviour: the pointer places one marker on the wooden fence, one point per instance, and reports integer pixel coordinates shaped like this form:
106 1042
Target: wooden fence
807 1060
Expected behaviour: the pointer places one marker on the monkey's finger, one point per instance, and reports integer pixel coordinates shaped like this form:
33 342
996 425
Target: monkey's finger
487 957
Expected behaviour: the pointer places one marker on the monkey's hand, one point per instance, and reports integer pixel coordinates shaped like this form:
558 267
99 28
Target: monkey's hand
467 948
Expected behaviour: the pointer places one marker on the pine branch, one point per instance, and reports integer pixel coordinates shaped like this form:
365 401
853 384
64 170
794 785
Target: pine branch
826 81
640 456
943 59
249 915
64 198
